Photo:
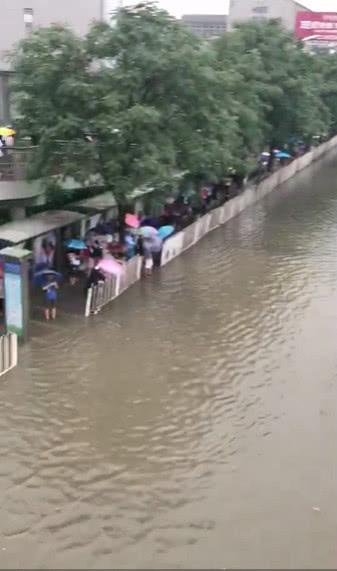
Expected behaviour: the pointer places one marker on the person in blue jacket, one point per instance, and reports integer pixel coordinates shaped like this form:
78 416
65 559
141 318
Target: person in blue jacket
50 292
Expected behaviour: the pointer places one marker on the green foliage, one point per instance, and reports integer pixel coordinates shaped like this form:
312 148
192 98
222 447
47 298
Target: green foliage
327 66
53 100
156 100
278 87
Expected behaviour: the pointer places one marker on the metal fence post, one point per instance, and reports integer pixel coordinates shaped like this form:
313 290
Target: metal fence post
8 352
88 302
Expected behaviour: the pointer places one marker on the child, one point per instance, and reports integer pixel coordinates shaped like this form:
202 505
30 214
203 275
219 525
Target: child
50 290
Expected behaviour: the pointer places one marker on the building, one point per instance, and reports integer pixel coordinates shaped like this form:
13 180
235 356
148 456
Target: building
206 26
285 10
317 30
19 17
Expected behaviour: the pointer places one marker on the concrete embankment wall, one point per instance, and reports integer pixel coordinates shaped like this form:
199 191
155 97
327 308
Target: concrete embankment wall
180 242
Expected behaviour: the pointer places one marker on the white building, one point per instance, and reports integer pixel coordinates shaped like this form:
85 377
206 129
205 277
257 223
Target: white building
206 25
19 17
285 10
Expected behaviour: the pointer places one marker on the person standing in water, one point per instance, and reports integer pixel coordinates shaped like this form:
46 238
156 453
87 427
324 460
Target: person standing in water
74 262
50 291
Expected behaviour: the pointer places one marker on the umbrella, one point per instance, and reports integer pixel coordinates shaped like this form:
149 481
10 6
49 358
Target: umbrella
48 272
76 245
132 220
39 277
282 155
165 231
110 266
41 266
148 232
6 131
170 200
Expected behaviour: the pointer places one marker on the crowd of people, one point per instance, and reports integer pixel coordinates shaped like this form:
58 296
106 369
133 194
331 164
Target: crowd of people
110 244
141 234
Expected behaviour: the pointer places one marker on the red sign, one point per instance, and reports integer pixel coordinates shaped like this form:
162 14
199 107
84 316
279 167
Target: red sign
316 25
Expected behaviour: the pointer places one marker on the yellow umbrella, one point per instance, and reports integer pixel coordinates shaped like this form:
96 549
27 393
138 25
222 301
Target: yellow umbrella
6 131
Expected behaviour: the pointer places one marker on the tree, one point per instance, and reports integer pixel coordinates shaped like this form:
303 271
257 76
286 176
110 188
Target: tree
245 77
164 92
145 89
287 85
327 65
53 95
140 101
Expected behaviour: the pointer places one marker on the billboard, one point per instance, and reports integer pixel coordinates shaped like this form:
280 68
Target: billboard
316 25
13 297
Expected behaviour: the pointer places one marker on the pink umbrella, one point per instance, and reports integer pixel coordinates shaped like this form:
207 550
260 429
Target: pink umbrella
111 267
132 220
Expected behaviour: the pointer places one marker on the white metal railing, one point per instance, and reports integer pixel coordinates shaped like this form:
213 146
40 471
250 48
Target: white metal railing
104 292
131 274
8 352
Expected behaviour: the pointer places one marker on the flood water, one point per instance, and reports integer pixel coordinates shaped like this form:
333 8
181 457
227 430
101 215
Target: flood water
193 423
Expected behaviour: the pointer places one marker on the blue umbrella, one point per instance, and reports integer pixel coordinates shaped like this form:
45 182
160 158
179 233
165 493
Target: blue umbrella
282 155
40 267
41 276
76 245
165 231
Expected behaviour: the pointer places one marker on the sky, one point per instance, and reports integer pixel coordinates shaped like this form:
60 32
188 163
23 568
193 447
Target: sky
179 7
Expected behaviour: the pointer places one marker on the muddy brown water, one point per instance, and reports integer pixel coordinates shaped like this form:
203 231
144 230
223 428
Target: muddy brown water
193 423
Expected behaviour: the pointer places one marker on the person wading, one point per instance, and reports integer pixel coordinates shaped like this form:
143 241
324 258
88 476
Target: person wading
96 280
50 291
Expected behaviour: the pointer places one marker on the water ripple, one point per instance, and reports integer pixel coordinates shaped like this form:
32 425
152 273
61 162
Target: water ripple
190 424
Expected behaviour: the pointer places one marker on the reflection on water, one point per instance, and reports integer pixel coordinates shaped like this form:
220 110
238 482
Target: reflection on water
193 423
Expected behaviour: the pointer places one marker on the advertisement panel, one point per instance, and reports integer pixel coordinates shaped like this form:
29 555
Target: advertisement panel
13 297
44 249
316 25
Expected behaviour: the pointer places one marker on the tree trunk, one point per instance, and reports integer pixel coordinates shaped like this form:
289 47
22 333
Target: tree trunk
271 158
123 209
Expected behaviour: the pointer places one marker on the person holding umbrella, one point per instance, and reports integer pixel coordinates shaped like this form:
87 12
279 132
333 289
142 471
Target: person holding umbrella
50 290
73 255
48 280
74 262
152 247
96 276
